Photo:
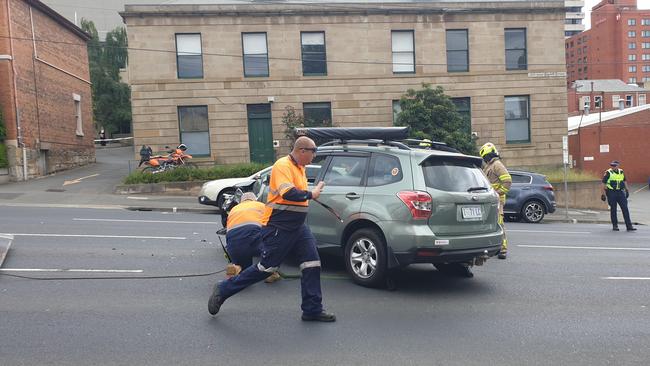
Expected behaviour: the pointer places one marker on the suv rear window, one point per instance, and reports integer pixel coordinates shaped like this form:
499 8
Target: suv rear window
384 169
452 175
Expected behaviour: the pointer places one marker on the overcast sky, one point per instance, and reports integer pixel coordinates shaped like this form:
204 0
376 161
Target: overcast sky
104 13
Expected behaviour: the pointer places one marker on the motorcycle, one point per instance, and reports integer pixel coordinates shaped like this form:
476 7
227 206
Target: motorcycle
230 200
176 158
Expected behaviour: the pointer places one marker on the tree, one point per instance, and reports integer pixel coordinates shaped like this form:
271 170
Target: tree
111 98
430 114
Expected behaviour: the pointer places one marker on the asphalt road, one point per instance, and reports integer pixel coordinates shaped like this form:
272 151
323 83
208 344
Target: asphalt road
560 299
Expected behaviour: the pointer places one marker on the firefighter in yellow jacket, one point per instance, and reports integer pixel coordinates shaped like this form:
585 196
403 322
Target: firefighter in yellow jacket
500 180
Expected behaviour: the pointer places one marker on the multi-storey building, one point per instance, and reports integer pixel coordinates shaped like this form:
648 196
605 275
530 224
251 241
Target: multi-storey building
45 91
219 76
596 96
573 24
616 47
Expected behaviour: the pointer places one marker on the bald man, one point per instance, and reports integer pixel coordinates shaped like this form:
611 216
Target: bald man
285 232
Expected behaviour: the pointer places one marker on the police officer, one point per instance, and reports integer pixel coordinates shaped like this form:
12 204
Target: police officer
500 179
615 191
285 232
243 234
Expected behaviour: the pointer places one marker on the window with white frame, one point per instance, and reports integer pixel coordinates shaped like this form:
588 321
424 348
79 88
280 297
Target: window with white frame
628 101
189 57
585 102
314 59
256 56
631 57
631 34
641 99
77 114
645 21
645 33
645 78
517 118
598 100
645 45
631 80
403 47
631 46
631 21
615 99
631 68
645 68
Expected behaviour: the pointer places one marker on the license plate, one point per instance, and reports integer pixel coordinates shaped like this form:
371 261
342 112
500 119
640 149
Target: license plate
472 213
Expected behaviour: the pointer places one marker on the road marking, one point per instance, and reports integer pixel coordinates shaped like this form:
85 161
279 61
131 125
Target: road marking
549 231
640 189
571 247
153 221
625 278
137 198
71 270
102 236
78 180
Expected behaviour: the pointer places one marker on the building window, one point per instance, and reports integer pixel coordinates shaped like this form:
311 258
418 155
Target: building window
615 99
631 57
194 130
397 109
631 22
79 131
645 57
317 114
631 46
645 45
314 59
457 50
645 68
641 99
517 116
631 34
598 101
586 102
645 33
645 21
464 108
515 40
256 57
628 101
631 68
189 57
403 51
631 80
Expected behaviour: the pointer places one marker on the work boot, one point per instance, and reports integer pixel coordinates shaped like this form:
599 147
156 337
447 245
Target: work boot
215 301
631 228
503 253
321 317
615 228
275 276
232 270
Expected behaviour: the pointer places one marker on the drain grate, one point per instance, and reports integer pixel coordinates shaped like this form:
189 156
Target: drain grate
55 190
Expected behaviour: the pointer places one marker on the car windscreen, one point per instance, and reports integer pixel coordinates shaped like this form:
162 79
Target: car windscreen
453 174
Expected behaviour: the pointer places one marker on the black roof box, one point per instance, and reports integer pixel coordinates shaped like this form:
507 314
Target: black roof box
354 133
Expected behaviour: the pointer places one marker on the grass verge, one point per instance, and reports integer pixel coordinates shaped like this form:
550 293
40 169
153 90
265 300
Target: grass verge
184 174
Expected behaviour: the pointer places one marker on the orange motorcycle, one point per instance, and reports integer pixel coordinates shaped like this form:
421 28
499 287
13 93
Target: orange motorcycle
176 158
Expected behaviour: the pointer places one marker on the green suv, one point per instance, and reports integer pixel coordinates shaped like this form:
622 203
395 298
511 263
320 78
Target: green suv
398 205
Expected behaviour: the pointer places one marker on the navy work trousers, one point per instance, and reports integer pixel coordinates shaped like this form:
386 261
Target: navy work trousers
614 198
244 243
276 246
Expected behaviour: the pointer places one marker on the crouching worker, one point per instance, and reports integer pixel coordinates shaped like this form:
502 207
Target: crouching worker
243 235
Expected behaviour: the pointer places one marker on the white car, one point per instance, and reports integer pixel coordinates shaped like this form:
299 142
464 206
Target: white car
212 191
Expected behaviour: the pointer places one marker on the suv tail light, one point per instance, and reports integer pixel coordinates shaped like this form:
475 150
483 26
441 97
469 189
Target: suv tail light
419 203
548 187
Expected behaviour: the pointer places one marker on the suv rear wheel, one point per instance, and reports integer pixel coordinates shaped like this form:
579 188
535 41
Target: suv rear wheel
532 211
365 257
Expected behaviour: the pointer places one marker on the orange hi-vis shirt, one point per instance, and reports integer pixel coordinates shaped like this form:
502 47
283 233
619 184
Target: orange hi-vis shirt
245 213
288 199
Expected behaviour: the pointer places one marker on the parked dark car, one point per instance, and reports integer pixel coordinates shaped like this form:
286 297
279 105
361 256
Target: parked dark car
530 197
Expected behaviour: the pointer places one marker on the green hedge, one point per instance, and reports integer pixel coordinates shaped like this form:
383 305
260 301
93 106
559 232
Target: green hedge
3 156
184 174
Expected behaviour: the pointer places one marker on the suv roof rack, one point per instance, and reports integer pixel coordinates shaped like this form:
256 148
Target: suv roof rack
369 142
430 145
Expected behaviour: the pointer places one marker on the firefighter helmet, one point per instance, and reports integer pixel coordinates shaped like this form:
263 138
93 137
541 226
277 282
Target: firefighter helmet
487 148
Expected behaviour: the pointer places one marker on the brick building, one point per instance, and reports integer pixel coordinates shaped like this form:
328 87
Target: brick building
597 139
224 72
45 90
586 95
616 47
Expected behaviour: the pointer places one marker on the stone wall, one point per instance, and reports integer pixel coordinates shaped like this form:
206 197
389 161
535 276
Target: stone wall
582 195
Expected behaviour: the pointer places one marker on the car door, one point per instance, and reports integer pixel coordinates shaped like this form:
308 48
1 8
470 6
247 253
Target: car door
518 190
344 177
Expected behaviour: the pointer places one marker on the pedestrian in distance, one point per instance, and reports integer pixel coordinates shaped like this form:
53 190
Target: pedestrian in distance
243 235
102 137
615 192
500 180
284 232
145 154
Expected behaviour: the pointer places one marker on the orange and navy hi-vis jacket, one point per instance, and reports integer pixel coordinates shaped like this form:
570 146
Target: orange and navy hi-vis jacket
245 213
288 200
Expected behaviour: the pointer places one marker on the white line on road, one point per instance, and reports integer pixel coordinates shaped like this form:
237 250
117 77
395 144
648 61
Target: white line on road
154 221
625 278
71 270
137 198
572 247
549 231
102 236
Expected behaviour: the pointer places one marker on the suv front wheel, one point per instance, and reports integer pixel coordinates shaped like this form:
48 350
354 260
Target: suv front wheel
365 257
